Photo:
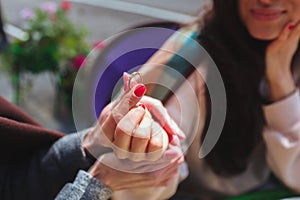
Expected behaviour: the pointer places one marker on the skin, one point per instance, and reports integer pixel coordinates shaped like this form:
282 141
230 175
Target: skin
127 124
124 128
276 21
118 180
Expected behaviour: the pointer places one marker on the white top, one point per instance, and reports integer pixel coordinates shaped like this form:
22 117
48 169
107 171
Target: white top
281 138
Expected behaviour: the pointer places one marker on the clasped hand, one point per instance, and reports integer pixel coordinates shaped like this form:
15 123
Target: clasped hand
127 126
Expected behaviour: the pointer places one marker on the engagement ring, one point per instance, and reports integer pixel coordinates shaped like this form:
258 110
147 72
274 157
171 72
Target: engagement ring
137 76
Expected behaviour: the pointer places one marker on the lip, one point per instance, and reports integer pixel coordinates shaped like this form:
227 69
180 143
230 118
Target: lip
262 14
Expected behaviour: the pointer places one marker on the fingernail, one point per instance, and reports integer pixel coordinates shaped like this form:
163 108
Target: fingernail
142 105
291 26
170 137
171 154
140 90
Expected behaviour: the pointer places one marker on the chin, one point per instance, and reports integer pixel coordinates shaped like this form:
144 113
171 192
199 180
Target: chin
265 36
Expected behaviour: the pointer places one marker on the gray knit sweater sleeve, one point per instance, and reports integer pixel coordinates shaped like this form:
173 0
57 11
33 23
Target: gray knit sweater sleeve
84 187
45 174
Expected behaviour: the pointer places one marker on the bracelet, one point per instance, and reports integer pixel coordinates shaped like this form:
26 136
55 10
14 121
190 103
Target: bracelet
86 153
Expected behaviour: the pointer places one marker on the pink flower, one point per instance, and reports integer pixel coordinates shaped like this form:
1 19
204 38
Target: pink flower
27 14
78 61
99 45
49 7
65 5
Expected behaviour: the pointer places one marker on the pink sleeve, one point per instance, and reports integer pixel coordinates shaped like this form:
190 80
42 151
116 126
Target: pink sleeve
282 137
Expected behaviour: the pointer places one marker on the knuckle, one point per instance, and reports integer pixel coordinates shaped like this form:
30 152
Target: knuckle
155 174
105 112
132 100
150 176
297 27
119 130
108 135
142 133
155 144
117 116
139 135
103 117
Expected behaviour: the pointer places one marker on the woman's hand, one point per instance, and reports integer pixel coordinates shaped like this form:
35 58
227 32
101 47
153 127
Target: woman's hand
279 57
127 126
138 137
119 180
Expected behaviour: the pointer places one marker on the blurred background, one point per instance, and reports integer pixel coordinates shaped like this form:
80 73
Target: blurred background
41 89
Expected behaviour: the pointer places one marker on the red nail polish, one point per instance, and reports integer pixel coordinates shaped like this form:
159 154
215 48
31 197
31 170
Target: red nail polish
142 105
291 26
140 90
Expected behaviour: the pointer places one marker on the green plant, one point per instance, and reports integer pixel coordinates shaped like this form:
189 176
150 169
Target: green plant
52 43
52 40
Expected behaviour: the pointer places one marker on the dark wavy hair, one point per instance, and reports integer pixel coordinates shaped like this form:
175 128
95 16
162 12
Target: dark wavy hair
240 60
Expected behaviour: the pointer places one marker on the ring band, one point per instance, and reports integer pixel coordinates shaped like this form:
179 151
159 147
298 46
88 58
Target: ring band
133 75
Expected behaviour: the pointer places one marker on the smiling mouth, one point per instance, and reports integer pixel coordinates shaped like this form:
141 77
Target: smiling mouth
267 15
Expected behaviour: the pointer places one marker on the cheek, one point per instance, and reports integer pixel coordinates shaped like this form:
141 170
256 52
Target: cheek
257 29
